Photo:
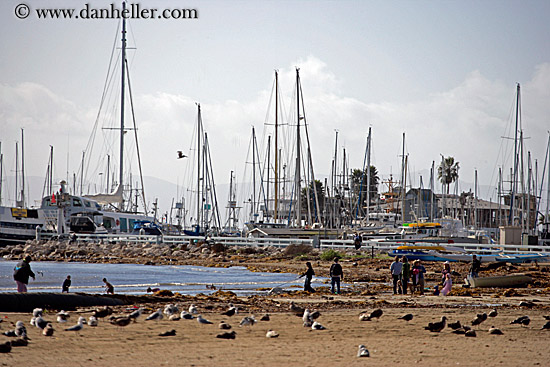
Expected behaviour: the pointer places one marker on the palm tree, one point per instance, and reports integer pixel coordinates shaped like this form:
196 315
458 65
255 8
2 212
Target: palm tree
447 172
359 185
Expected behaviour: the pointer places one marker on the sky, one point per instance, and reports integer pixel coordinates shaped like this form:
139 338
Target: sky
442 72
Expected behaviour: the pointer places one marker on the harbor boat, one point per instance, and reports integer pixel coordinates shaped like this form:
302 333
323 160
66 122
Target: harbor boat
435 252
17 225
503 281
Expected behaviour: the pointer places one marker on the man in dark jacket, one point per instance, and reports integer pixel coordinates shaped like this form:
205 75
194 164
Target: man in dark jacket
21 274
336 274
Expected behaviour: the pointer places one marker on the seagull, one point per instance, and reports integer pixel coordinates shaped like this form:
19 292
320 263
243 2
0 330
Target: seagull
271 334
20 330
157 315
62 316
317 326
363 351
92 321
436 327
33 321
121 321
227 335
471 333
103 312
527 304
493 313
193 309
224 326
519 320
135 314
231 311
202 320
186 315
406 317
248 321
265 317
48 330
37 312
170 310
168 333
315 315
374 314
460 331
546 326
78 326
307 317
181 155
40 322
5 347
454 325
299 311
494 331
479 319
174 317
525 321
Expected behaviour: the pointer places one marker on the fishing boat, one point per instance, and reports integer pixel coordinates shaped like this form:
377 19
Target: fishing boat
503 281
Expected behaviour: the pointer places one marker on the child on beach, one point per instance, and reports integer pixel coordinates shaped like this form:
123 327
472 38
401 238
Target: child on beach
66 284
109 289
447 285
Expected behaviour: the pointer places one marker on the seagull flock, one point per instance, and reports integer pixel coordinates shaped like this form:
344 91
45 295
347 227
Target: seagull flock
19 336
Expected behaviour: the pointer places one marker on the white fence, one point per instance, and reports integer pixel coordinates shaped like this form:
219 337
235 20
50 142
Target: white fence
283 242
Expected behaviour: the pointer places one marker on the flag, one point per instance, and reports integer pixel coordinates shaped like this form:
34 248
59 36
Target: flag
53 198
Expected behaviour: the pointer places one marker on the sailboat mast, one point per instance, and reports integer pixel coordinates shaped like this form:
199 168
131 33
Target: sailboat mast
24 204
122 85
1 170
368 173
199 167
403 185
298 158
276 203
16 172
515 172
253 171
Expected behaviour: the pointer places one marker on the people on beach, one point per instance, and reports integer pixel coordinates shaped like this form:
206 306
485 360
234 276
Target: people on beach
336 274
447 285
474 268
66 284
309 275
21 274
405 274
109 289
152 290
395 268
446 270
418 272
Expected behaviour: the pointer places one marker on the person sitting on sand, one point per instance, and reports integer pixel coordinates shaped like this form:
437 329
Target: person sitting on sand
309 275
66 284
109 289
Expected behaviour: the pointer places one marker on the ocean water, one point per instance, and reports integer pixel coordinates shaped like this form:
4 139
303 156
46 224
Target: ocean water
135 279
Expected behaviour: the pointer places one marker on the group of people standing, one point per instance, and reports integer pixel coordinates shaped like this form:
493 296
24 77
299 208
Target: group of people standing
336 275
402 273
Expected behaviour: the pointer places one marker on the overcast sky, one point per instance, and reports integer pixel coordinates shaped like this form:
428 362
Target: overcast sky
442 72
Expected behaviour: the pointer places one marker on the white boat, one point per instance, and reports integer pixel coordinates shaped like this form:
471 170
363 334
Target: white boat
503 281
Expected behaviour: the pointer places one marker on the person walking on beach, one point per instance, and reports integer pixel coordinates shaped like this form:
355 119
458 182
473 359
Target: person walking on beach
66 284
418 271
405 274
109 289
395 269
474 268
21 274
336 274
308 274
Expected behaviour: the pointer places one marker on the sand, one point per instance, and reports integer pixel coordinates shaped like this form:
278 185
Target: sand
390 341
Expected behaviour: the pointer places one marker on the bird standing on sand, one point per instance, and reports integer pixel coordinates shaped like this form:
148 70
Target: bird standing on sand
193 309
436 327
62 316
454 325
157 315
121 321
231 311
406 317
374 314
170 310
470 333
546 326
40 322
479 319
493 313
248 321
103 312
363 351
202 320
135 314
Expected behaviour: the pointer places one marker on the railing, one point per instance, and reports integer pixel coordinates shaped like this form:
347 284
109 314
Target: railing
283 242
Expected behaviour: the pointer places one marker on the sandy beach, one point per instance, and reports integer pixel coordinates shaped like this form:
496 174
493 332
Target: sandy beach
390 340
